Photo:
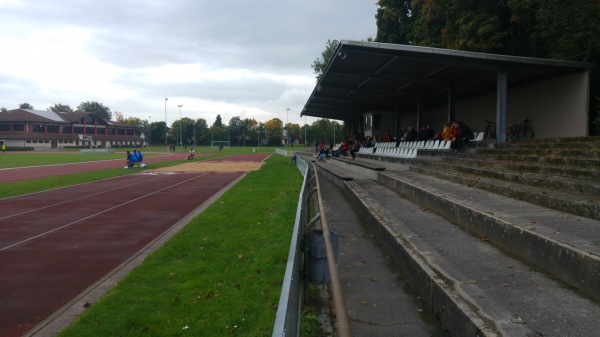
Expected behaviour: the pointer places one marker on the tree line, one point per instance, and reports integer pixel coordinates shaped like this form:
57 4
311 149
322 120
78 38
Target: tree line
187 131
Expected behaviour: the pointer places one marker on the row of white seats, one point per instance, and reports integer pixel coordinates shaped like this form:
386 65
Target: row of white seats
420 145
396 152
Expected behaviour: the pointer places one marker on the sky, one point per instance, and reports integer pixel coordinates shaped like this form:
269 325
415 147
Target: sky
245 58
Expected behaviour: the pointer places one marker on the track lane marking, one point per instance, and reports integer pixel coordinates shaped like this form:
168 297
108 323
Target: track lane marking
76 199
95 214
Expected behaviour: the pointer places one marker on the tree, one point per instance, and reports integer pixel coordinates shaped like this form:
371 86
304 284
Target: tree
202 132
294 131
320 65
25 106
96 108
218 122
235 130
60 108
157 132
274 131
3 109
138 123
393 21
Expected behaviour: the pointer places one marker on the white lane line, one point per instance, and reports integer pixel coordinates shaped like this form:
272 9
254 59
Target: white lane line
73 200
93 215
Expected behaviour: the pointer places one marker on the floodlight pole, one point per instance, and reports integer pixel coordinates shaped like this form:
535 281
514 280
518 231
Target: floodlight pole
180 134
166 128
287 126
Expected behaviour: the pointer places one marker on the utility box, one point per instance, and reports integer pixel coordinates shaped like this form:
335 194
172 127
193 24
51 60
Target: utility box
318 271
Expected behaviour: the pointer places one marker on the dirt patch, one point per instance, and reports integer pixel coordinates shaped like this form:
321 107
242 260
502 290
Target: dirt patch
213 167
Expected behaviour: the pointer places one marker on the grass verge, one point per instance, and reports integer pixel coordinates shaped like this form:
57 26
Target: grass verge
12 189
220 276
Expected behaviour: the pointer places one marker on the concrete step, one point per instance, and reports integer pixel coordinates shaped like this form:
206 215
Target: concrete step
570 153
379 299
457 244
552 160
566 168
573 202
585 187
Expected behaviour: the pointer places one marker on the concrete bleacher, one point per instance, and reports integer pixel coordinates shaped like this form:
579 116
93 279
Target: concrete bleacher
501 242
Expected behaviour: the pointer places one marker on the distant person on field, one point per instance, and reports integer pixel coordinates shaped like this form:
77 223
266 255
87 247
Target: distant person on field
190 155
131 159
138 156
3 147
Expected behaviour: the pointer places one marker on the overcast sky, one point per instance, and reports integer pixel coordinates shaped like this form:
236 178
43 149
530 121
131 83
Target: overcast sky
246 58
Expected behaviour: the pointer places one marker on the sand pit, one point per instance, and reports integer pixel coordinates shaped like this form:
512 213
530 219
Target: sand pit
224 166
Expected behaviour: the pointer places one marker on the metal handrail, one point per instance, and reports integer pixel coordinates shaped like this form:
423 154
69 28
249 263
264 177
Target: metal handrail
339 303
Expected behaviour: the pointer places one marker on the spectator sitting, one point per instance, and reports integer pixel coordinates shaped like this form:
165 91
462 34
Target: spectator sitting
131 160
429 132
322 154
190 155
387 137
411 135
139 157
464 135
355 148
447 132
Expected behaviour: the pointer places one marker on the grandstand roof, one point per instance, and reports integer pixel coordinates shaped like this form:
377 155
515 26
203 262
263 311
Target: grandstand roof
370 76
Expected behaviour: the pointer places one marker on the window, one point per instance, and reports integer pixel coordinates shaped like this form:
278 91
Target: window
111 131
4 127
89 130
38 128
66 129
368 122
52 128
89 119
78 129
18 127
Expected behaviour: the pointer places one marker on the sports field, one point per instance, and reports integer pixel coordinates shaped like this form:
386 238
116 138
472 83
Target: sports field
60 244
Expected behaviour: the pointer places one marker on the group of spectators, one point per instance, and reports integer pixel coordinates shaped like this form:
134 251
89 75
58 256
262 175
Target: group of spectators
347 147
457 132
134 158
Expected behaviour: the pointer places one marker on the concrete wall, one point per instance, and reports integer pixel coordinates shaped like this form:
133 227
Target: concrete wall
558 108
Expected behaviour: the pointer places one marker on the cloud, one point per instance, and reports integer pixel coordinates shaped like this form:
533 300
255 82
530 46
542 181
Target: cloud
235 58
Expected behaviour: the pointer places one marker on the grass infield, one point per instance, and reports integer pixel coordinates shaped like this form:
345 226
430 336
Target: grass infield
220 276
24 159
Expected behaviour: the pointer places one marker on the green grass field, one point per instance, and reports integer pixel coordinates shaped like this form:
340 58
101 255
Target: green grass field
220 276
25 159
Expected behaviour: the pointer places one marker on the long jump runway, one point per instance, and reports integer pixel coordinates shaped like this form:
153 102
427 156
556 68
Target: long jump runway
56 244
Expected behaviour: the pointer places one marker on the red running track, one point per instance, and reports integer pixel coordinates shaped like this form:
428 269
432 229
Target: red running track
56 244
33 172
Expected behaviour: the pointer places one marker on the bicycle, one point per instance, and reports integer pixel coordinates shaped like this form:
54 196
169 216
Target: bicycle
490 129
517 131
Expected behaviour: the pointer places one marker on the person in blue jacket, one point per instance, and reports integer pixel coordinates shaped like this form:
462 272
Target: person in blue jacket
131 160
139 156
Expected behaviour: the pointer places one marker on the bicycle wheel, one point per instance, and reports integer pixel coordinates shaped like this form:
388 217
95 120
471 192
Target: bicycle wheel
528 132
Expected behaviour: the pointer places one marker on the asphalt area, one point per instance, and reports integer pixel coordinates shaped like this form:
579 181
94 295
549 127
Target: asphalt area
56 244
